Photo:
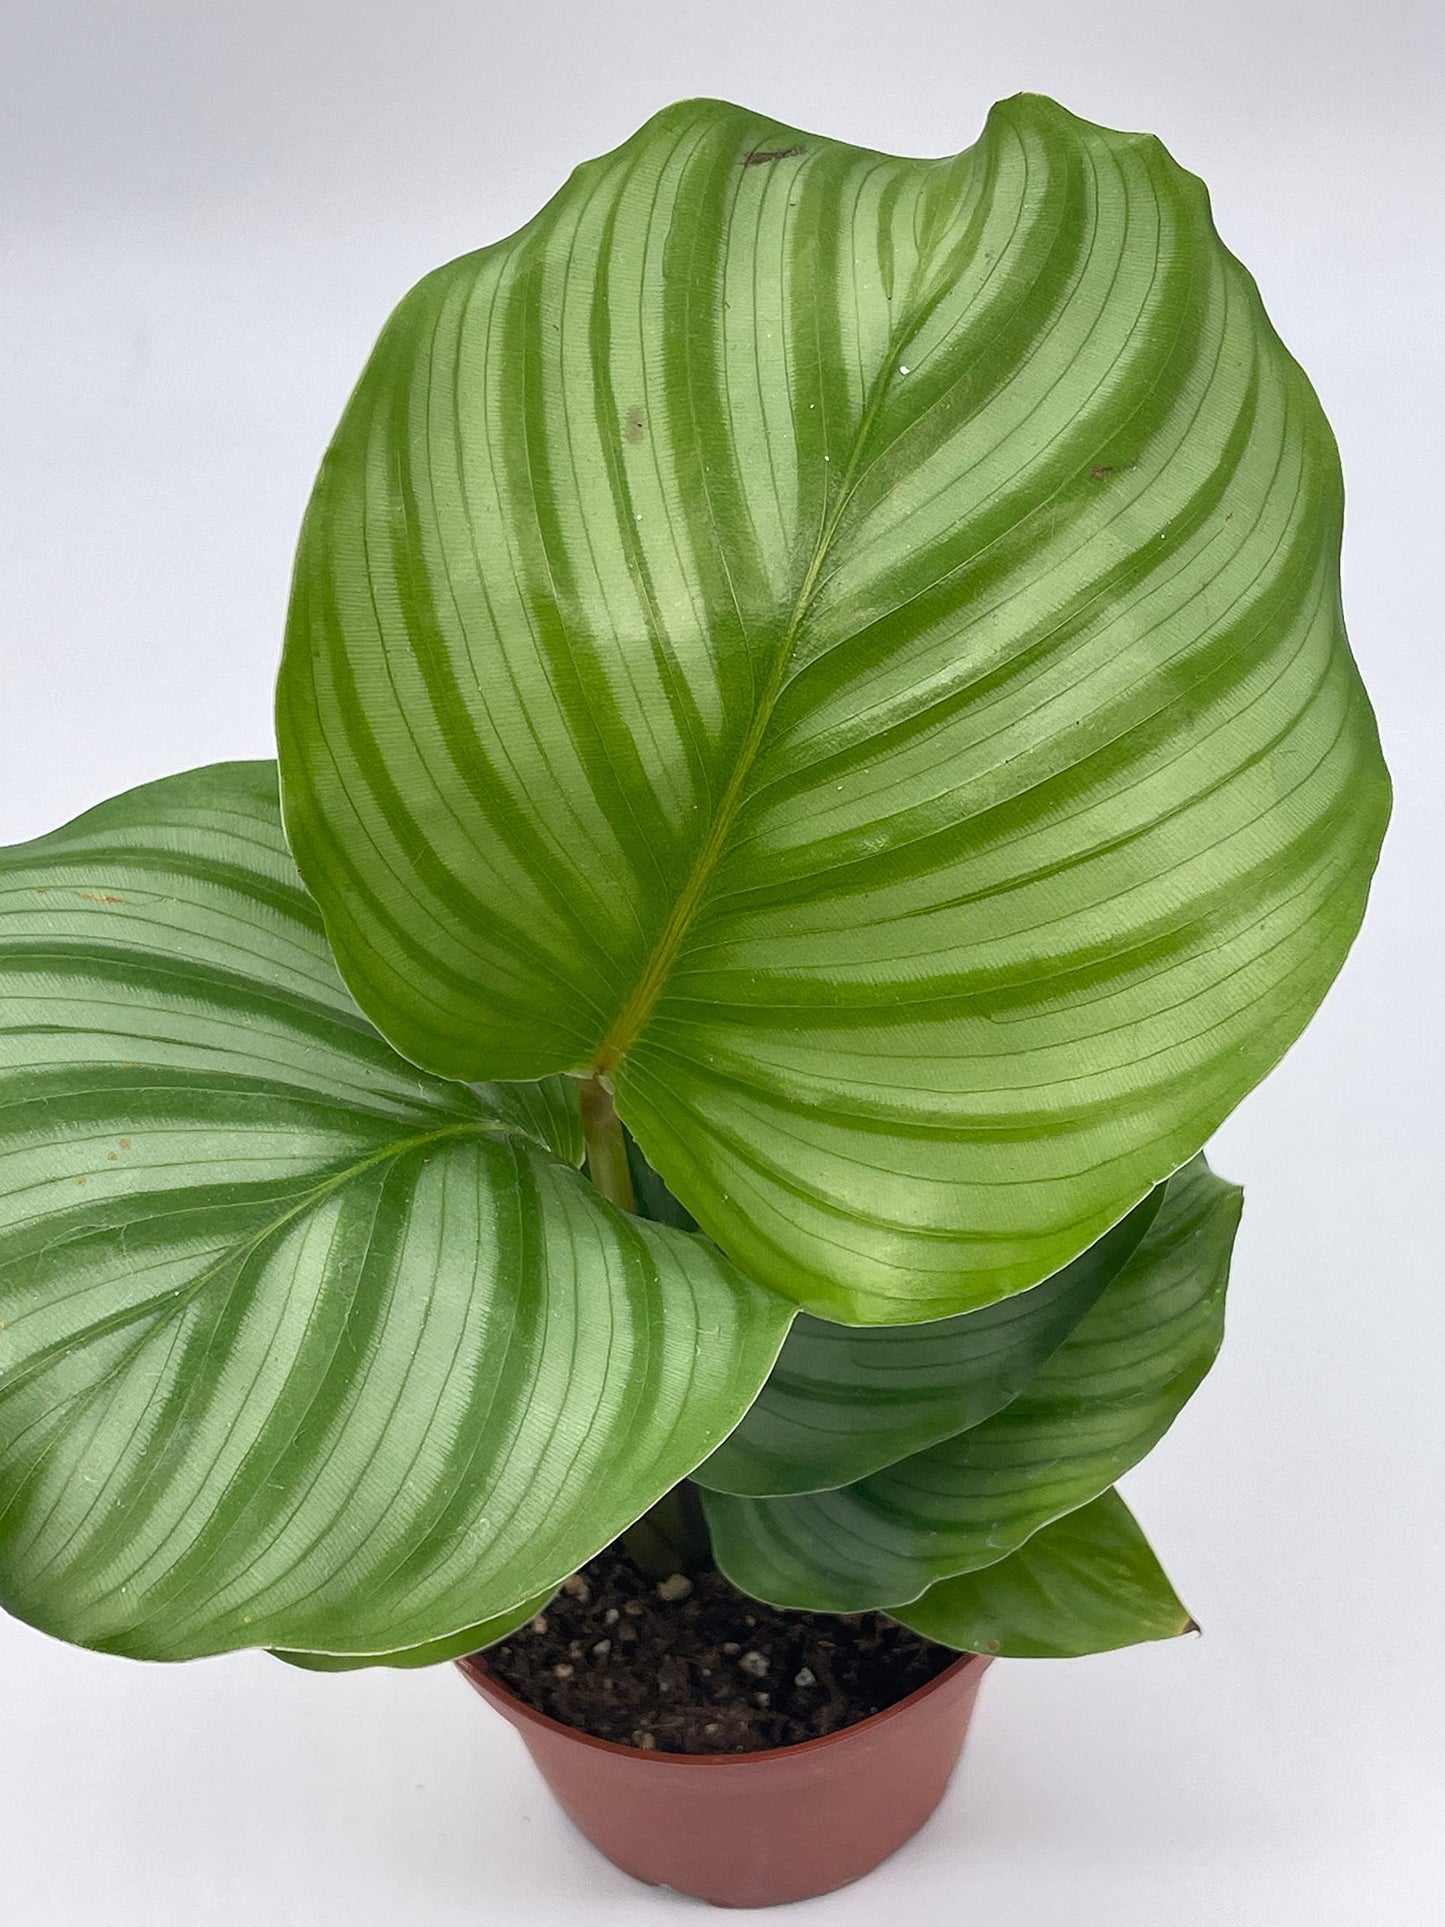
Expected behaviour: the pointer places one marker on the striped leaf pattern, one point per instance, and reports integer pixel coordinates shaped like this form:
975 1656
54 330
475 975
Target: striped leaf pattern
301 1346
1104 1399
1089 1583
436 1652
846 1400
850 650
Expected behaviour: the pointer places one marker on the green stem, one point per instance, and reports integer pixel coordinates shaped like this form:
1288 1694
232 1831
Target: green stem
671 1536
606 1146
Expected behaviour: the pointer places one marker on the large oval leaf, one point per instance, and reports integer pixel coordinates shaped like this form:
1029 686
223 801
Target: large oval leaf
846 1400
1088 1583
300 1346
1104 1399
850 649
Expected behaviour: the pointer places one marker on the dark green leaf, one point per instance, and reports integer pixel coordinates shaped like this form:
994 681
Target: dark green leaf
653 1199
1104 1399
846 1400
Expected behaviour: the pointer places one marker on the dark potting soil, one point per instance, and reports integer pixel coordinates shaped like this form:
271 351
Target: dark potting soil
695 1666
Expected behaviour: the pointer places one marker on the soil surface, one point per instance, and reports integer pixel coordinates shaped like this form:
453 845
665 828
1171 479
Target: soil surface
692 1665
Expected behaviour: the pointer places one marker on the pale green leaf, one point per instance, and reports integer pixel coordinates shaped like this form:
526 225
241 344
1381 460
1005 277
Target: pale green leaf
849 648
456 1646
1088 1583
1104 1399
301 1346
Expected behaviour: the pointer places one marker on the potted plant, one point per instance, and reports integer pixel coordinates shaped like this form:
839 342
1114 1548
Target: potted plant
818 760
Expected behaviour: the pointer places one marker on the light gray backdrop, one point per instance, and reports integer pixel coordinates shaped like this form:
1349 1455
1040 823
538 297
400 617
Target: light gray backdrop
211 209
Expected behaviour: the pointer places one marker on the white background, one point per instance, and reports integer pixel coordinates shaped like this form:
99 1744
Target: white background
211 208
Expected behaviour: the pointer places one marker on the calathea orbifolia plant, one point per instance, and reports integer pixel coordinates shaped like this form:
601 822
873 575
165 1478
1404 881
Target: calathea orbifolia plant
815 682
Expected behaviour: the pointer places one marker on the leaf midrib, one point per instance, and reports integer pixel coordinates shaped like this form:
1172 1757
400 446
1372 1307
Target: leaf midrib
163 1309
638 1007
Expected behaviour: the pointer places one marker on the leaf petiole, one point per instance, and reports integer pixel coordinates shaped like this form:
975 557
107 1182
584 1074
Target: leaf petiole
606 1145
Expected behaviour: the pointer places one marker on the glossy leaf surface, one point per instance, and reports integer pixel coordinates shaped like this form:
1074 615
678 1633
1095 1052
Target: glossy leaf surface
1088 1583
1104 1399
301 1346
845 1400
851 649
436 1653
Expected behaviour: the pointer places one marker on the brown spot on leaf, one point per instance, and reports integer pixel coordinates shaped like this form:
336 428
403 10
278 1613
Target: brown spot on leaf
634 423
98 896
760 156
125 1144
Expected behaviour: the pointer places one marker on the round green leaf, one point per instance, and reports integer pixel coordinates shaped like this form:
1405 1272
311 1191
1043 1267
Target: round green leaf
1104 1399
1088 1583
849 649
301 1346
846 1400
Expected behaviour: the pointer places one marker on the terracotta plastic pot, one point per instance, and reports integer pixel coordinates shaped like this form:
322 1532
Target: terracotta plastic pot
755 1829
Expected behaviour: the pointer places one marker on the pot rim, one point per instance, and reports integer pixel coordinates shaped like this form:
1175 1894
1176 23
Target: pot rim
477 1670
